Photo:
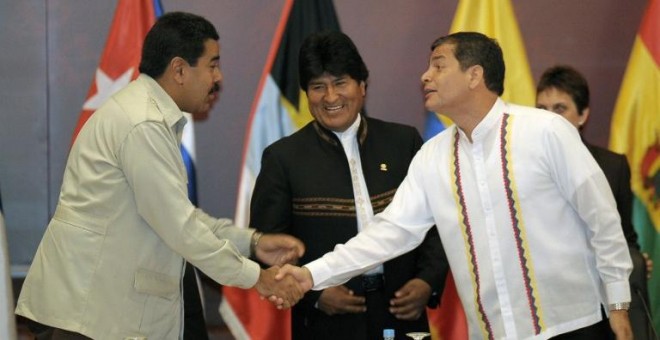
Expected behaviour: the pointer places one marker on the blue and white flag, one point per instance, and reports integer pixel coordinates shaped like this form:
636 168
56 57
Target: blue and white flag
188 154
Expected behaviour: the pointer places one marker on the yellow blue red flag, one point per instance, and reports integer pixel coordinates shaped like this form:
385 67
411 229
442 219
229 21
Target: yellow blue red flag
635 132
496 19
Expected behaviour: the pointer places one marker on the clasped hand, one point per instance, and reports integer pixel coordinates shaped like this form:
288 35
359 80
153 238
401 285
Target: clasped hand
277 250
282 292
284 286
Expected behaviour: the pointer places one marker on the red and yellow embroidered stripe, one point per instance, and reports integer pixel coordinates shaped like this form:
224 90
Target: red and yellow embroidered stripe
518 225
466 228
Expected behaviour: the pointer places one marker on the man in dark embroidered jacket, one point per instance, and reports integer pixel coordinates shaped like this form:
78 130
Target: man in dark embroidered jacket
323 183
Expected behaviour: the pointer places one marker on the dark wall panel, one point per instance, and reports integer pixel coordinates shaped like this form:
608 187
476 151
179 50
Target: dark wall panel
394 40
246 29
23 125
594 36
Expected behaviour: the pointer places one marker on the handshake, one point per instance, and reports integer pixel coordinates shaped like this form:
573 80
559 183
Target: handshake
283 284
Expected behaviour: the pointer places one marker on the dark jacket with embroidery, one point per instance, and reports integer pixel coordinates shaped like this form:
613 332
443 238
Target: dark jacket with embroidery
304 189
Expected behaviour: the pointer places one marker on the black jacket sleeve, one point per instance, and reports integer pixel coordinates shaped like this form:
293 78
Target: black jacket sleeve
624 198
271 207
432 265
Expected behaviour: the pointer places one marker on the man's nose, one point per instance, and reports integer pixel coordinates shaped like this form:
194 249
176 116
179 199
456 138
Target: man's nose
331 94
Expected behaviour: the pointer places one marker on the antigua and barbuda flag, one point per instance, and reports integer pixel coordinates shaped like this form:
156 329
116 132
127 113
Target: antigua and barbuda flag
279 109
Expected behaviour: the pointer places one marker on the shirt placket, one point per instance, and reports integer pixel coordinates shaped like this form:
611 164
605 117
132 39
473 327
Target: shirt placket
357 191
481 175
363 209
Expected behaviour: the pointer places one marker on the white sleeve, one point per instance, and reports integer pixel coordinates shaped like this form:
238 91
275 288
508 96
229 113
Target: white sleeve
583 183
398 229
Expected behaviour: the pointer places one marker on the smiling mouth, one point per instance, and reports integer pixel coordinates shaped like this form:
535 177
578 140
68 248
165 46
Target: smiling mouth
333 108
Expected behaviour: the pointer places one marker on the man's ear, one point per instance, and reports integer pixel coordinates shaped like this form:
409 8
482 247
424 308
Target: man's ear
475 75
178 68
584 117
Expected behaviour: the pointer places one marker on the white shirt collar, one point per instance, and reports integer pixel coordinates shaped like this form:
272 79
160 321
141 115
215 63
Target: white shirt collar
352 130
488 122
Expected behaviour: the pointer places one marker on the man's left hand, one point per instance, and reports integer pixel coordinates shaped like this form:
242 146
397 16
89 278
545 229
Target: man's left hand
410 300
279 249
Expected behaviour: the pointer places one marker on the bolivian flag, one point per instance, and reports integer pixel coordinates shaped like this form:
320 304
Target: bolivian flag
635 132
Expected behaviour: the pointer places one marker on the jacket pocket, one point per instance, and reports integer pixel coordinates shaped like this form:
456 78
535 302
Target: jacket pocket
158 284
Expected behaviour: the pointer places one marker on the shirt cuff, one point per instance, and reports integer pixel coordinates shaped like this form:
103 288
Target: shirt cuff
249 275
617 292
321 272
240 237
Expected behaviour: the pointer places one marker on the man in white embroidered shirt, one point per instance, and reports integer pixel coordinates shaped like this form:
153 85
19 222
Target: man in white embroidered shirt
525 214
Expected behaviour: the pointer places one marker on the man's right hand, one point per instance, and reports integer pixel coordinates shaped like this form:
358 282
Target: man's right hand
341 300
300 274
283 293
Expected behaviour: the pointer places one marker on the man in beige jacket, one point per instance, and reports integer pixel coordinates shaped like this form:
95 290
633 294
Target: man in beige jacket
111 261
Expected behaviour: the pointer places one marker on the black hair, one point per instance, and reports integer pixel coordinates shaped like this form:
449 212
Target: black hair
330 52
175 34
569 80
473 48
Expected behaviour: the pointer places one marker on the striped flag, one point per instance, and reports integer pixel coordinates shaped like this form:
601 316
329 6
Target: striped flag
188 154
7 319
121 55
635 132
496 19
279 109
434 124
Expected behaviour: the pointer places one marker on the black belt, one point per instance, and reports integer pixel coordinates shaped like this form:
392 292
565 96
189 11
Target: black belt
373 282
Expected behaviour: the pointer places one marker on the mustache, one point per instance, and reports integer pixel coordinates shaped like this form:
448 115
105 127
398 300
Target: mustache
216 88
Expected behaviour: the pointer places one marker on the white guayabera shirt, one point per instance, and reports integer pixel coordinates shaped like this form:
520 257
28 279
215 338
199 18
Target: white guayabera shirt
527 220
